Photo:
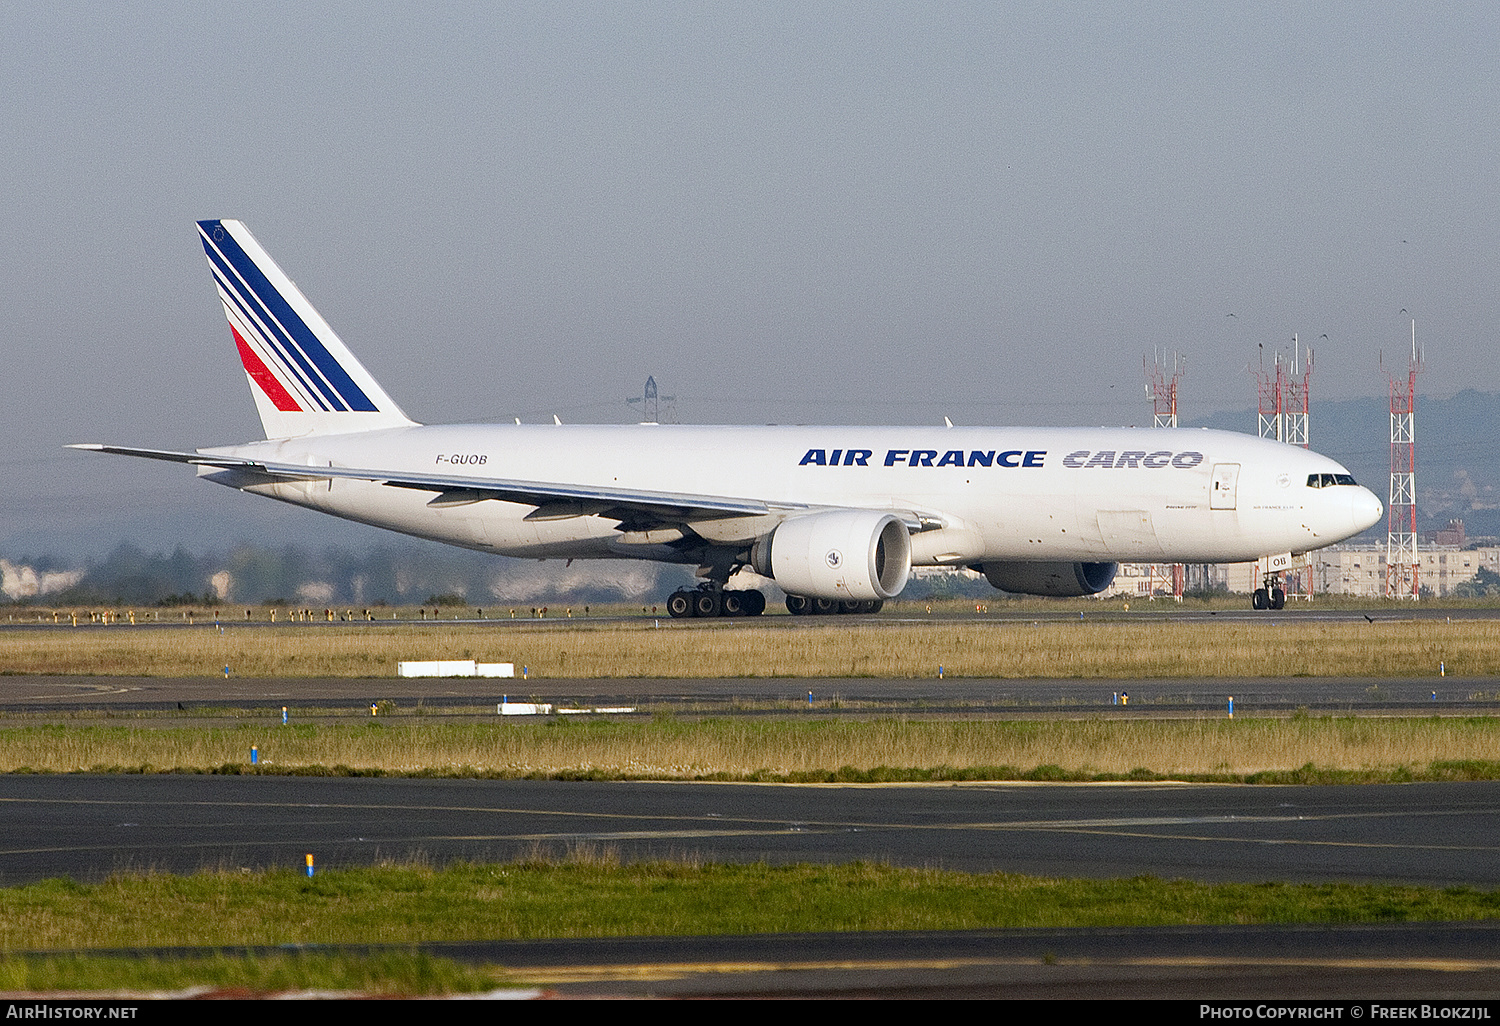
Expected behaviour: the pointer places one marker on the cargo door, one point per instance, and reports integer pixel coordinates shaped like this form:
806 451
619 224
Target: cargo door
1225 484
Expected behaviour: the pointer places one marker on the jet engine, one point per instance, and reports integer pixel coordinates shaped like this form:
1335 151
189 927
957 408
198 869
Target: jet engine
1058 580
847 554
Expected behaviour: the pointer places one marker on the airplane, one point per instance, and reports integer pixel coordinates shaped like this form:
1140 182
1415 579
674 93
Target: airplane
836 516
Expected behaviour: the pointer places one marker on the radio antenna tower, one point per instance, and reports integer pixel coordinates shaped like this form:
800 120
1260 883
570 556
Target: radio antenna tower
1162 377
1270 389
1284 393
1401 563
1295 383
1161 386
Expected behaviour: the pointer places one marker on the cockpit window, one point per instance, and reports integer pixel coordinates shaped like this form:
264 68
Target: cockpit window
1329 480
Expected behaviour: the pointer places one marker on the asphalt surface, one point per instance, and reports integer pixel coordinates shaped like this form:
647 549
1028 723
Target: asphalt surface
1366 962
69 697
1387 963
88 826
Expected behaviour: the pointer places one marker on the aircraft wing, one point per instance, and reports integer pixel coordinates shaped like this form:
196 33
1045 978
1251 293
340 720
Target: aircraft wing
553 501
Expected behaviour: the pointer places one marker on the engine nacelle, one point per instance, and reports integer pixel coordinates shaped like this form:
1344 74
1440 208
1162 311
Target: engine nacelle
1057 580
841 554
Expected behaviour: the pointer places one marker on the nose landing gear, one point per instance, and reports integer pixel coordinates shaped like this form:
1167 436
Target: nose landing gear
1271 595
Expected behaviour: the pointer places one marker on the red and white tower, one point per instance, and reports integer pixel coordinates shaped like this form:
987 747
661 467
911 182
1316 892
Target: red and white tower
1296 381
1283 394
1162 377
1401 564
1269 388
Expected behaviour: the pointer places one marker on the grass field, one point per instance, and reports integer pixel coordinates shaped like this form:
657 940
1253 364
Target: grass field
595 896
588 894
783 647
1311 749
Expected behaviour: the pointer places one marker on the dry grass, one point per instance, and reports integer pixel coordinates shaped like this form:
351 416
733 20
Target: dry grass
771 749
1145 648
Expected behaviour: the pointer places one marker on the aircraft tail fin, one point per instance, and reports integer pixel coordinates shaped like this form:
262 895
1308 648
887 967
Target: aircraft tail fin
304 379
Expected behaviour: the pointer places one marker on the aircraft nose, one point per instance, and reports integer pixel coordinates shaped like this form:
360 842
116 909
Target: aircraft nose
1365 509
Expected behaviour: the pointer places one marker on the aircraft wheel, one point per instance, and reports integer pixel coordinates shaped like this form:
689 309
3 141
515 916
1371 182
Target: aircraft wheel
851 606
1278 598
825 606
680 604
798 605
706 603
754 601
733 604
1260 600
876 605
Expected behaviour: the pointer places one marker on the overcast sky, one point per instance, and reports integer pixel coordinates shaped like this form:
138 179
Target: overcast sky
862 213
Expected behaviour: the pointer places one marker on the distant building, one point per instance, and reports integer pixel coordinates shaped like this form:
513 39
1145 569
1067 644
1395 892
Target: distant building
1154 580
1350 570
1337 570
1452 535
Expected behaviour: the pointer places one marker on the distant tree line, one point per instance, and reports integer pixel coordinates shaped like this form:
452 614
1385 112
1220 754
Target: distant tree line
1486 584
291 575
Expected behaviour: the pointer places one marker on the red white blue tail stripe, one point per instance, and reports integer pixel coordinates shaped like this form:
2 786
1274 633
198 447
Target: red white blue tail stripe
297 365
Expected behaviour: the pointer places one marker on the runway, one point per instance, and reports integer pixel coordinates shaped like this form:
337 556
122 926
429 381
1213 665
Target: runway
1456 963
1396 961
72 697
88 826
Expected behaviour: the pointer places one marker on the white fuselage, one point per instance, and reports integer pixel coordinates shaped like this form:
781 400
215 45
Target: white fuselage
1013 494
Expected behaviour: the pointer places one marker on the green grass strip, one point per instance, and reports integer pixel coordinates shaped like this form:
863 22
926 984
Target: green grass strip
593 895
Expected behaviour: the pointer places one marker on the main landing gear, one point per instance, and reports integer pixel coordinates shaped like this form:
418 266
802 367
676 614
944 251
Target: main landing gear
1271 595
799 605
705 602
715 602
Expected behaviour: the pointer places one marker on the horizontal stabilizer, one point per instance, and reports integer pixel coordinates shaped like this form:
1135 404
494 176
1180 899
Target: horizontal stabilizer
168 455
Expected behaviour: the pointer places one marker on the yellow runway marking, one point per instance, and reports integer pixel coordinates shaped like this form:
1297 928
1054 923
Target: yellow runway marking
677 970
